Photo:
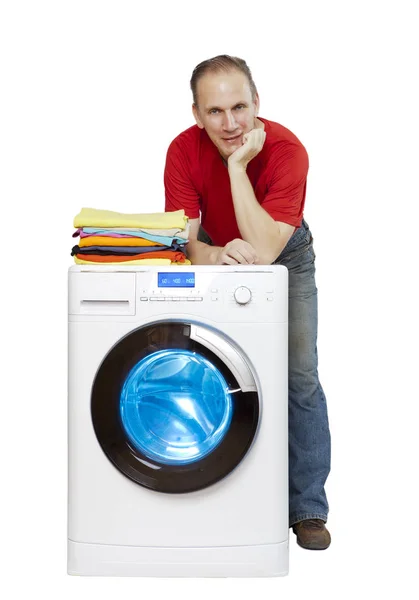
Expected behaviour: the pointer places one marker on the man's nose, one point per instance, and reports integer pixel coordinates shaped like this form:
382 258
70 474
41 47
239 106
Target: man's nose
229 122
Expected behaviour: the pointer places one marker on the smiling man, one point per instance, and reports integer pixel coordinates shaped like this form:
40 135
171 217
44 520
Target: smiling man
241 179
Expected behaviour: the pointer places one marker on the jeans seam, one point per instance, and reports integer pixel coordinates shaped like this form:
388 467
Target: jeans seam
304 517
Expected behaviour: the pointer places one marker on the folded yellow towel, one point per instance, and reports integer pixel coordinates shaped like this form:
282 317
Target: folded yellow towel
92 217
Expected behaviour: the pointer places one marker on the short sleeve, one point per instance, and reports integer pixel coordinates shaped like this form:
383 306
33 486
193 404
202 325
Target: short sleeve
179 189
286 190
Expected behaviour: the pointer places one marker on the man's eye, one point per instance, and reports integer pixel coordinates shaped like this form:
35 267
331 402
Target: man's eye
240 106
213 111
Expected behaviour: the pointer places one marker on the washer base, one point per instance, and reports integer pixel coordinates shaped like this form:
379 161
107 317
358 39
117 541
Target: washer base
269 560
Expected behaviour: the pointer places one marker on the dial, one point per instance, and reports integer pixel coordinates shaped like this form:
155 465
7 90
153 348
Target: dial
242 295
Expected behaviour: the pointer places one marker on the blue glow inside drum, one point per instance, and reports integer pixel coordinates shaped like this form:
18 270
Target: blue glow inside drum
175 406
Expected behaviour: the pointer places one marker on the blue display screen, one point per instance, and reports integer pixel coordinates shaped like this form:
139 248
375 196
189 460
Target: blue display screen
176 280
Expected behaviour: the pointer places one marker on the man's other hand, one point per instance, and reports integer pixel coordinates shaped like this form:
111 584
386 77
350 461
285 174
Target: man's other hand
237 252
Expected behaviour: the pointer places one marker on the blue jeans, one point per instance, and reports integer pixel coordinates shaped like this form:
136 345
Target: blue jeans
308 425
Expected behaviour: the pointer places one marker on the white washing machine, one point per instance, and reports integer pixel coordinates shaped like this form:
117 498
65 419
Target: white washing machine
178 428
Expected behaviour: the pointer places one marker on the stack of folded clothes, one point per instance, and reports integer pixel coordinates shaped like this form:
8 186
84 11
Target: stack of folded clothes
108 237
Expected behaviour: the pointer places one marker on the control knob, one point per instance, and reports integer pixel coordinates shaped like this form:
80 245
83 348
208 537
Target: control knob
242 295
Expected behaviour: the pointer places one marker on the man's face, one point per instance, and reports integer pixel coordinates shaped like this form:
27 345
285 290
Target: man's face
225 109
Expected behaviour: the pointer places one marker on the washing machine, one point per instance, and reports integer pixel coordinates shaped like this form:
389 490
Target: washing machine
178 429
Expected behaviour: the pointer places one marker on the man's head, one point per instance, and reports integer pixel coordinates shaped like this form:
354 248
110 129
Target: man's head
226 101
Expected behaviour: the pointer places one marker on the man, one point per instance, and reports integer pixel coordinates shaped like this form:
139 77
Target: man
247 177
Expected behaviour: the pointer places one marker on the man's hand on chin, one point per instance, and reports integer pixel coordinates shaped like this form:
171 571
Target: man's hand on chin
252 145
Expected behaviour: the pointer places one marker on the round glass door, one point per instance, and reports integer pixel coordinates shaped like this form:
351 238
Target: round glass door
175 406
165 413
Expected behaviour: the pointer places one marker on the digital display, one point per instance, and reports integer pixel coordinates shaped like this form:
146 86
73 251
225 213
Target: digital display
176 280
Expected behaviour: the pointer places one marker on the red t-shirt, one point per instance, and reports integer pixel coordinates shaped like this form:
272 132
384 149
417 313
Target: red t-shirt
197 180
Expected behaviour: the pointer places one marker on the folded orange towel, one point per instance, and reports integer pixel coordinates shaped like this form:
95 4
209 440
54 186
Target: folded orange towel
101 240
172 255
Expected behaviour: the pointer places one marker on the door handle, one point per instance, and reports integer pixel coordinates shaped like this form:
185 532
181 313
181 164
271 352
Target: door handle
228 354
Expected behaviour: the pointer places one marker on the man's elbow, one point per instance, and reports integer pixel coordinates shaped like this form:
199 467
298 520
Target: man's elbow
272 246
269 254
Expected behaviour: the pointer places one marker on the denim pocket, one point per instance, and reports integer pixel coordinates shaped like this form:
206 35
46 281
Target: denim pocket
300 250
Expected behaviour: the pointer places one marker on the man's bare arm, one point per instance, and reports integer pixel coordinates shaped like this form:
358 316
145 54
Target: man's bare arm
267 236
235 252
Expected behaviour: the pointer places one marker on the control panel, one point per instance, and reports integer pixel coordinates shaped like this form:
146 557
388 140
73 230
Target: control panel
220 293
226 289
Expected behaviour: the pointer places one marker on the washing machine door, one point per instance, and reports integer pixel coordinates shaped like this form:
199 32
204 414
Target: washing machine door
175 406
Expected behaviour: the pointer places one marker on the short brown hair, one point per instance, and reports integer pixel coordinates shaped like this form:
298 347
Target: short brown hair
225 63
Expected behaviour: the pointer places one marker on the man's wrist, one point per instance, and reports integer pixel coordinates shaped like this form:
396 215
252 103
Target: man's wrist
236 169
213 255
202 254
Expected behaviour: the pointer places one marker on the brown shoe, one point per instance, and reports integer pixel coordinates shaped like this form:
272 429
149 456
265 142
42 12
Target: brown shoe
312 534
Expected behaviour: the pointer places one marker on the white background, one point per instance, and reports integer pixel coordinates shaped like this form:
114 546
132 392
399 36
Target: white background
92 93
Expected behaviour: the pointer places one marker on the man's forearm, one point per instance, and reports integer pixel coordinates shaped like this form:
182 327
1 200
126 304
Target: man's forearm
255 225
202 254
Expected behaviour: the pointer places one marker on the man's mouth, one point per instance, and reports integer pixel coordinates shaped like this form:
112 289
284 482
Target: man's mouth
230 140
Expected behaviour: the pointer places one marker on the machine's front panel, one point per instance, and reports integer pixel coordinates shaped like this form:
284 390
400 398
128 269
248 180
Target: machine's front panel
208 517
